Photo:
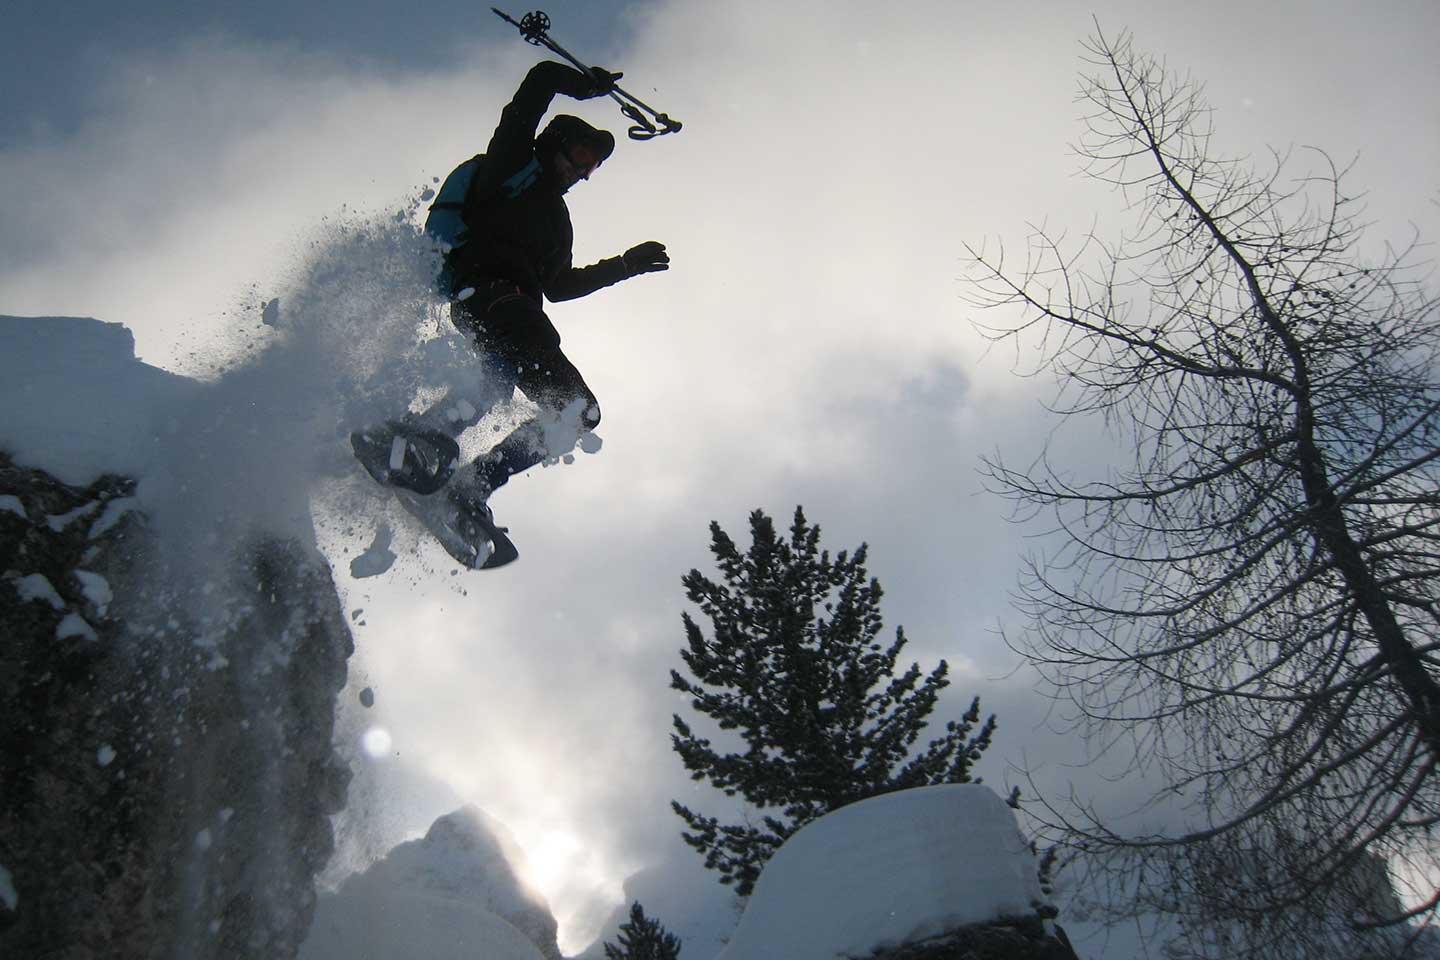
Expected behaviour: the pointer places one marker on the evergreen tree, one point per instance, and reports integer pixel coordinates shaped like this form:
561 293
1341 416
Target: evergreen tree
795 665
642 938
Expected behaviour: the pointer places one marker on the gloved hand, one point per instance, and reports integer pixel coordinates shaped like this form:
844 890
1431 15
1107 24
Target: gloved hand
604 81
646 257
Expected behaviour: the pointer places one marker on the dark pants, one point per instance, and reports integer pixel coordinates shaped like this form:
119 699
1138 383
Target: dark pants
523 347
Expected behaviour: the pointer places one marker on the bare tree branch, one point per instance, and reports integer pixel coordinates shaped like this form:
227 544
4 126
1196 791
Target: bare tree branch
1252 600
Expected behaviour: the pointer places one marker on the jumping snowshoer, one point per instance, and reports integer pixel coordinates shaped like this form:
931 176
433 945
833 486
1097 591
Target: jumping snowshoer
509 249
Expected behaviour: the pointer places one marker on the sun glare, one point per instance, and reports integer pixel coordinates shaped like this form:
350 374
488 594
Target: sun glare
561 868
550 860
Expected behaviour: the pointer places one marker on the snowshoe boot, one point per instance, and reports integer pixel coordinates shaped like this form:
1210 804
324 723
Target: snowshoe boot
406 456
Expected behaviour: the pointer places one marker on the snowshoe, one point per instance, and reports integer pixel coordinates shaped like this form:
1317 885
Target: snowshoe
477 524
401 455
465 527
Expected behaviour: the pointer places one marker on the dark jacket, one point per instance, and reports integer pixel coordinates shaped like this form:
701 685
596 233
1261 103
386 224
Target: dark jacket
519 226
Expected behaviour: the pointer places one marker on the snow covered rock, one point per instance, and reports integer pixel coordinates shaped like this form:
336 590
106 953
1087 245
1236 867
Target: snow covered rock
167 770
1012 940
899 875
78 402
460 870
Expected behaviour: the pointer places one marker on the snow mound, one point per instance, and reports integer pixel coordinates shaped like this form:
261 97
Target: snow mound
886 871
399 926
466 854
458 883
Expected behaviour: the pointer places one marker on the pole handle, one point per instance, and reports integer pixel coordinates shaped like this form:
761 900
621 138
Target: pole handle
534 26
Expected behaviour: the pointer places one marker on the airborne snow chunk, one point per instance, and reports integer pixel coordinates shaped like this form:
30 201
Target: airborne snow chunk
377 558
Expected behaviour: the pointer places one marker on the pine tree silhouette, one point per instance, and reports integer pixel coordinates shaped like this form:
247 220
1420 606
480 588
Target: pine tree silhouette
642 938
794 665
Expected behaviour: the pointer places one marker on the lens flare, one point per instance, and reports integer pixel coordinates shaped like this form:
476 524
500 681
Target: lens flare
376 742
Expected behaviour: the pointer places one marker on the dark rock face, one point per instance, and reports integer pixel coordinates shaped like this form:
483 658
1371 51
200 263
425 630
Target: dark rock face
166 764
1021 940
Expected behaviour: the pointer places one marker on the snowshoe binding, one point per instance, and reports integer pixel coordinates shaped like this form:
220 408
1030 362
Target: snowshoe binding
406 456
464 525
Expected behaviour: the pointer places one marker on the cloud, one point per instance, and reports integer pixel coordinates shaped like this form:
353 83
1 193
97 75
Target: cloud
209 174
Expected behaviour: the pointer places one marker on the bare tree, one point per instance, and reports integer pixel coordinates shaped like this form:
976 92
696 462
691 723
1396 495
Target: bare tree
1252 599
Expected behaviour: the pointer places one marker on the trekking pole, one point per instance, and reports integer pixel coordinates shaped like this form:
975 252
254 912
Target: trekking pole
533 27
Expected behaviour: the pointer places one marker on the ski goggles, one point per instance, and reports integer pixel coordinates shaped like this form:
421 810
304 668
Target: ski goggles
585 159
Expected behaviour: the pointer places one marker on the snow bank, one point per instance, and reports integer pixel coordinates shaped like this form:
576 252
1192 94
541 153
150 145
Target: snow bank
397 926
62 379
889 870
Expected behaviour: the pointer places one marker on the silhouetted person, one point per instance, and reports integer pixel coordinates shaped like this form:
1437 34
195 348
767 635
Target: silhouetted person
502 219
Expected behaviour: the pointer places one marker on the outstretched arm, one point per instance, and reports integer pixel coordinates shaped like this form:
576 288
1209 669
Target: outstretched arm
572 282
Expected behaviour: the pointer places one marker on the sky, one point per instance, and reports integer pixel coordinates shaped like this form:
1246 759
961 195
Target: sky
174 166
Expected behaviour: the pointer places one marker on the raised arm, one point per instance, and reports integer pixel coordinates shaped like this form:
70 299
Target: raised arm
515 134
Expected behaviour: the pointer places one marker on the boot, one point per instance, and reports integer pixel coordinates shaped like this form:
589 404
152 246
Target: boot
398 454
